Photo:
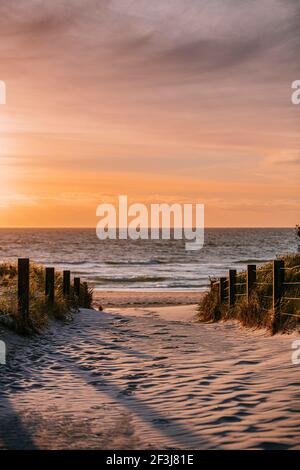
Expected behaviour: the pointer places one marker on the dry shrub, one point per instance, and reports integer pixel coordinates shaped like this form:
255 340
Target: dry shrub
252 314
86 296
258 312
41 310
209 308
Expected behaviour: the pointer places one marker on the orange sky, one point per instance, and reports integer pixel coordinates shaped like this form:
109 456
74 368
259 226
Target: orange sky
174 101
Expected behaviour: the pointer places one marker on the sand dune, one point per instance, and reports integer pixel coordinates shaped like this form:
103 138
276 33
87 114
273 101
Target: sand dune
150 378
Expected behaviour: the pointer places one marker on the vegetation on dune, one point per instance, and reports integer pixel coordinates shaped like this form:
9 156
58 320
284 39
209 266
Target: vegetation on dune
41 311
258 312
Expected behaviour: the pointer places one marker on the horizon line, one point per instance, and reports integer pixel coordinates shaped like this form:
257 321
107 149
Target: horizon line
94 228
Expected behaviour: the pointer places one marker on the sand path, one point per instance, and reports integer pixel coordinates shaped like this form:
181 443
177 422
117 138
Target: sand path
149 378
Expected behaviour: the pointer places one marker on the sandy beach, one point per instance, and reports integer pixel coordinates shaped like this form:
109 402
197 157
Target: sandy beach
149 229
146 378
143 298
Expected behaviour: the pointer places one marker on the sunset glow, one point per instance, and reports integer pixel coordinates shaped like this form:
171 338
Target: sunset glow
162 101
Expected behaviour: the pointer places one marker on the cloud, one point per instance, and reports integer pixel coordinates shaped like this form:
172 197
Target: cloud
9 200
196 88
290 157
182 37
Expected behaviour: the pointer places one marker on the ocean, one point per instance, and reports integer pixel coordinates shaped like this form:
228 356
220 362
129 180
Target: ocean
146 264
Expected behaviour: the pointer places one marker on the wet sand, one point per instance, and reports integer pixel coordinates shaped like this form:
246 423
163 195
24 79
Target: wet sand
149 377
152 298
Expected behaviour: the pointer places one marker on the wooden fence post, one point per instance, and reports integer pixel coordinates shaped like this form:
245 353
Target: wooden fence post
222 289
49 285
66 283
77 286
278 281
231 287
23 288
251 279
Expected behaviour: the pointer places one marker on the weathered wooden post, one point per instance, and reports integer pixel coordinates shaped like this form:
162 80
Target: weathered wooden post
222 289
251 279
231 287
77 286
23 288
66 283
49 285
278 283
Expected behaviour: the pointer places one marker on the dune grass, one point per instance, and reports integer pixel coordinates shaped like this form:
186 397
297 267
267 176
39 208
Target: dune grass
41 311
258 313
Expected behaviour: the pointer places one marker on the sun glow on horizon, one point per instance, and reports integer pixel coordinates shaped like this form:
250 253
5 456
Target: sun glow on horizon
111 103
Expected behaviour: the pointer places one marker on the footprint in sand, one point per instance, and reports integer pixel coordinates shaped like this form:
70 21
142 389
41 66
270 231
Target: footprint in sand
246 363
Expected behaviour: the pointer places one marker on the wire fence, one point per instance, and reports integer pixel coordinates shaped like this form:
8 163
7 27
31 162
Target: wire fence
282 288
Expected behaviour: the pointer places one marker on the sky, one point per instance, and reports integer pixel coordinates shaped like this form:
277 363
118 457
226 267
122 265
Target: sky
163 101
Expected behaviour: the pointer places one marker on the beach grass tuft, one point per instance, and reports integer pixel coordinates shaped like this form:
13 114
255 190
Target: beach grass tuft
41 311
257 312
